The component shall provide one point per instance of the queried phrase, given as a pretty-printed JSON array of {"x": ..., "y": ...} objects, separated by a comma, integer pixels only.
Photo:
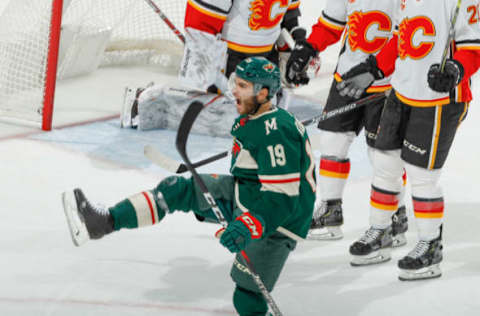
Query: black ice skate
[
  {"x": 373, "y": 247},
  {"x": 423, "y": 262},
  {"x": 84, "y": 220},
  {"x": 327, "y": 221},
  {"x": 399, "y": 227}
]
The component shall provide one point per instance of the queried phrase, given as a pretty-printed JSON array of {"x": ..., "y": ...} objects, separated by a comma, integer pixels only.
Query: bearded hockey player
[
  {"x": 268, "y": 199},
  {"x": 219, "y": 34},
  {"x": 367, "y": 26},
  {"x": 429, "y": 101}
]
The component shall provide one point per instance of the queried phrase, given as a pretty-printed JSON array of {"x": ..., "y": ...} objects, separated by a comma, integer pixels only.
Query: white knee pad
[
  {"x": 424, "y": 182},
  {"x": 387, "y": 169},
  {"x": 336, "y": 144}
]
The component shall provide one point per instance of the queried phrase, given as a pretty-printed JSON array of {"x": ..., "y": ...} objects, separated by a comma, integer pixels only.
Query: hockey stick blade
[{"x": 162, "y": 160}]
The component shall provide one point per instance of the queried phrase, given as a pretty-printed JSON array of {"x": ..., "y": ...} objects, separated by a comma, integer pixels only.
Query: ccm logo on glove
[{"x": 252, "y": 224}]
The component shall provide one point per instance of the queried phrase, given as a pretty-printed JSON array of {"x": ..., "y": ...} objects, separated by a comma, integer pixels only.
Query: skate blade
[
  {"x": 76, "y": 225},
  {"x": 126, "y": 114},
  {"x": 399, "y": 240},
  {"x": 375, "y": 257},
  {"x": 430, "y": 272},
  {"x": 326, "y": 233}
]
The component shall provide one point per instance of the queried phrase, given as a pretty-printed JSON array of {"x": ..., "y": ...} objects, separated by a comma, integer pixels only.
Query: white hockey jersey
[
  {"x": 423, "y": 28},
  {"x": 368, "y": 24},
  {"x": 249, "y": 26}
]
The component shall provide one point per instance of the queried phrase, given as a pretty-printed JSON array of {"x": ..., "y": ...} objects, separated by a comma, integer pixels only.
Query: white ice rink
[{"x": 178, "y": 268}]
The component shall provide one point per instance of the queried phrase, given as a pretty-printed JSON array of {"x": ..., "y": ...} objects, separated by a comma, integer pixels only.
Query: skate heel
[
  {"x": 429, "y": 272},
  {"x": 399, "y": 240},
  {"x": 326, "y": 233}
]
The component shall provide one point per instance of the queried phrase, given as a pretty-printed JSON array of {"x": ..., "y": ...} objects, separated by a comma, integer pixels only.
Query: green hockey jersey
[{"x": 274, "y": 171}]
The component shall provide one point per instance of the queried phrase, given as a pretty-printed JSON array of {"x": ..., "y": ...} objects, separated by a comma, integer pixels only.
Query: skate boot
[
  {"x": 84, "y": 220},
  {"x": 373, "y": 247},
  {"x": 326, "y": 222},
  {"x": 399, "y": 227},
  {"x": 423, "y": 262}
]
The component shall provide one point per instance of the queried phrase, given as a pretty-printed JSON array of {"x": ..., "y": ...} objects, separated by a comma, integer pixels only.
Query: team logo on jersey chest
[
  {"x": 235, "y": 149},
  {"x": 359, "y": 24},
  {"x": 408, "y": 30},
  {"x": 261, "y": 16}
]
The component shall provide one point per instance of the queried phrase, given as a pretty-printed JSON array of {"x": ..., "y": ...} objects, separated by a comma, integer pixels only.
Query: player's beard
[{"x": 246, "y": 105}]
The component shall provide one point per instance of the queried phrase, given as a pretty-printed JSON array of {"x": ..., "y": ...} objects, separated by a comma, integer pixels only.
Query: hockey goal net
[{"x": 82, "y": 35}]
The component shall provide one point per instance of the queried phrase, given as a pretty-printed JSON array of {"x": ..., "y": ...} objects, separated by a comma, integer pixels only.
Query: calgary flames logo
[
  {"x": 407, "y": 30},
  {"x": 262, "y": 11},
  {"x": 358, "y": 25}
]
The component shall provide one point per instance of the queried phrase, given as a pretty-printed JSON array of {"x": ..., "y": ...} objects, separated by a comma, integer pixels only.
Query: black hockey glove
[
  {"x": 297, "y": 64},
  {"x": 359, "y": 78},
  {"x": 447, "y": 80}
]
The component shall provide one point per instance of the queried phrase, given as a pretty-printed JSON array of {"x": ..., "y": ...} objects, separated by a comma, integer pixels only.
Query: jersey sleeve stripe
[
  {"x": 381, "y": 88},
  {"x": 208, "y": 9},
  {"x": 331, "y": 22},
  {"x": 294, "y": 5},
  {"x": 249, "y": 49},
  {"x": 468, "y": 47}
]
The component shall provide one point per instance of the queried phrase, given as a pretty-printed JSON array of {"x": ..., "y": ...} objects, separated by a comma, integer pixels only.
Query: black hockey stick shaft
[
  {"x": 166, "y": 20},
  {"x": 181, "y": 142},
  {"x": 451, "y": 34},
  {"x": 322, "y": 117}
]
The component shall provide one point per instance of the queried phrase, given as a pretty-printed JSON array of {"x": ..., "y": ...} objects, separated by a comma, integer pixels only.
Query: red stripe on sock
[
  {"x": 428, "y": 207},
  {"x": 150, "y": 205},
  {"x": 335, "y": 166},
  {"x": 383, "y": 198}
]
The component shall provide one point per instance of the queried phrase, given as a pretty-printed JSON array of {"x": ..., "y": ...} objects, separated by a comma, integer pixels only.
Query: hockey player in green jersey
[{"x": 267, "y": 200}]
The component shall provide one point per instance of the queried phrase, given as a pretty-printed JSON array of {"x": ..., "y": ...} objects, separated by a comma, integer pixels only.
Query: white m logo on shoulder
[{"x": 270, "y": 125}]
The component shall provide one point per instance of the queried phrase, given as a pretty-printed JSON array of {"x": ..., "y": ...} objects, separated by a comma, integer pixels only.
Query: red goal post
[{"x": 44, "y": 41}]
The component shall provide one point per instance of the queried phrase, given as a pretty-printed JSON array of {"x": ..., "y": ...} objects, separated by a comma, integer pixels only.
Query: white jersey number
[{"x": 277, "y": 155}]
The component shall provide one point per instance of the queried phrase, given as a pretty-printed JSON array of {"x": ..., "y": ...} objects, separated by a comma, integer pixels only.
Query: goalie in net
[{"x": 217, "y": 37}]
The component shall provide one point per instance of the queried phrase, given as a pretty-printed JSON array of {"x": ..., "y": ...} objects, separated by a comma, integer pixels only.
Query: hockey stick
[
  {"x": 166, "y": 20},
  {"x": 174, "y": 166},
  {"x": 182, "y": 135},
  {"x": 451, "y": 34}
]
